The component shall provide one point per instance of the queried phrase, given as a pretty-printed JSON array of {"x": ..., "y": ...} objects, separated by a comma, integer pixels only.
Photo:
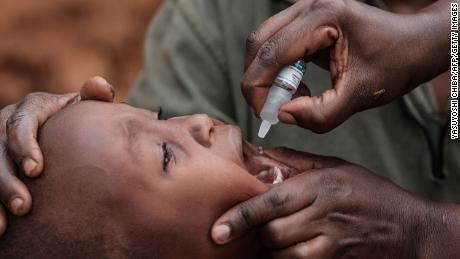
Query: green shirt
[{"x": 194, "y": 56}]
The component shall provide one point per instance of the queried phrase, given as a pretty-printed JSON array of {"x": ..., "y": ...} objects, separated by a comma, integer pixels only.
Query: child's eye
[
  {"x": 167, "y": 156},
  {"x": 160, "y": 114}
]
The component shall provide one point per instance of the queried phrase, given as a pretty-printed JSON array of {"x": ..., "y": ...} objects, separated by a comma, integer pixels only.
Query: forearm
[{"x": 430, "y": 30}]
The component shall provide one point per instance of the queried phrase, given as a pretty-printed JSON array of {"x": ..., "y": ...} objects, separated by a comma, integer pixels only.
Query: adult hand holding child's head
[
  {"x": 335, "y": 209},
  {"x": 19, "y": 124}
]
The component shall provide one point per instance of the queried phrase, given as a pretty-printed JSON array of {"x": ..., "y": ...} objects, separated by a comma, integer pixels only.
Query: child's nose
[{"x": 200, "y": 127}]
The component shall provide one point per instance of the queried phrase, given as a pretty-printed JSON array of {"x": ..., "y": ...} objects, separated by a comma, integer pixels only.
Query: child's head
[{"x": 118, "y": 182}]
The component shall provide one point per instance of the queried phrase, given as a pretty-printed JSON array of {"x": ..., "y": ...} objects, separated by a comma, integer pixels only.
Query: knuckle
[
  {"x": 252, "y": 42},
  {"x": 32, "y": 97},
  {"x": 247, "y": 219},
  {"x": 276, "y": 201},
  {"x": 5, "y": 114},
  {"x": 331, "y": 183},
  {"x": 6, "y": 111},
  {"x": 269, "y": 53},
  {"x": 14, "y": 121},
  {"x": 36, "y": 99}
]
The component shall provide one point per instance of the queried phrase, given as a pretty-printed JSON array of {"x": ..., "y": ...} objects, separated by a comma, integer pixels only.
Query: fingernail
[
  {"x": 221, "y": 234},
  {"x": 112, "y": 90},
  {"x": 29, "y": 166},
  {"x": 100, "y": 79},
  {"x": 16, "y": 204},
  {"x": 286, "y": 118}
]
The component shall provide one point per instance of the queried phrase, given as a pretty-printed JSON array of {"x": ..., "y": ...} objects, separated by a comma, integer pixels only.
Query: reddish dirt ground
[{"x": 53, "y": 45}]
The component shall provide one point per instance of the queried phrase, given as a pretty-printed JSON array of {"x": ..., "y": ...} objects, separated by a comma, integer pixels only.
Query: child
[{"x": 120, "y": 183}]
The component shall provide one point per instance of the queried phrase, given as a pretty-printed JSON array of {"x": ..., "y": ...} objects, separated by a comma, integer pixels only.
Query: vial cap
[{"x": 300, "y": 66}]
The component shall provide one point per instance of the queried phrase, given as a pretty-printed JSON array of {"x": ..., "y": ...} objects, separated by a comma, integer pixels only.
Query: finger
[
  {"x": 97, "y": 88},
  {"x": 295, "y": 228},
  {"x": 322, "y": 58},
  {"x": 290, "y": 44},
  {"x": 279, "y": 201},
  {"x": 23, "y": 124},
  {"x": 303, "y": 37},
  {"x": 285, "y": 117},
  {"x": 5, "y": 113},
  {"x": 302, "y": 90},
  {"x": 319, "y": 114},
  {"x": 302, "y": 161},
  {"x": 3, "y": 220},
  {"x": 13, "y": 193},
  {"x": 318, "y": 248},
  {"x": 255, "y": 97},
  {"x": 266, "y": 30}
]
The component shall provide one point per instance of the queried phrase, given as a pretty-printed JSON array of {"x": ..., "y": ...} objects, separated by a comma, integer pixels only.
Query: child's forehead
[
  {"x": 88, "y": 115},
  {"x": 83, "y": 129},
  {"x": 78, "y": 138}
]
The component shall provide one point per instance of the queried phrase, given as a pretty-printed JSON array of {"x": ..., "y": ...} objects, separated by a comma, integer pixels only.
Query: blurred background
[{"x": 55, "y": 45}]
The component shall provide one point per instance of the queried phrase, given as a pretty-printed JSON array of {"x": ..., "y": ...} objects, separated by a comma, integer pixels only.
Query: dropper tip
[{"x": 264, "y": 127}]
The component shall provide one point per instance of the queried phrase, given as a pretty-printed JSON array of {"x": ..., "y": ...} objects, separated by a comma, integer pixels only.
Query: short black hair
[{"x": 40, "y": 235}]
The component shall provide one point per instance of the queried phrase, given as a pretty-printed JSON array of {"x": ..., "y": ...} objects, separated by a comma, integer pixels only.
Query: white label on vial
[{"x": 290, "y": 76}]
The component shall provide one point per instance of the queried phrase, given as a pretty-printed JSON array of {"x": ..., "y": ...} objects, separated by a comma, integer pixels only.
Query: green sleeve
[{"x": 184, "y": 66}]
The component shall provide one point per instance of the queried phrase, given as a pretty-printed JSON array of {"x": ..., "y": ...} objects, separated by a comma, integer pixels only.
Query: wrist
[
  {"x": 428, "y": 42},
  {"x": 438, "y": 231}
]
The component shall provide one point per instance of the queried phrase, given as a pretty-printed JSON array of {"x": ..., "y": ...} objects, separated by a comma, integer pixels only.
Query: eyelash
[
  {"x": 167, "y": 156},
  {"x": 160, "y": 114}
]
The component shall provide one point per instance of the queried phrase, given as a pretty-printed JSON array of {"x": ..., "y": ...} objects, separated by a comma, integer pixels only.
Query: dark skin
[
  {"x": 324, "y": 212},
  {"x": 440, "y": 84},
  {"x": 336, "y": 209},
  {"x": 343, "y": 47},
  {"x": 328, "y": 214},
  {"x": 369, "y": 52},
  {"x": 136, "y": 186},
  {"x": 19, "y": 124}
]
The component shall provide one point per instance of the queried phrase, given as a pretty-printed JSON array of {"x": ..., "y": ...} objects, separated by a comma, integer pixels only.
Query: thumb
[
  {"x": 302, "y": 90},
  {"x": 279, "y": 201},
  {"x": 301, "y": 161},
  {"x": 318, "y": 113},
  {"x": 97, "y": 88}
]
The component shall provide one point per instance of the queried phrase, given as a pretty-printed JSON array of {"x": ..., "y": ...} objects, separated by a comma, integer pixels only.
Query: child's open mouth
[
  {"x": 253, "y": 159},
  {"x": 264, "y": 168}
]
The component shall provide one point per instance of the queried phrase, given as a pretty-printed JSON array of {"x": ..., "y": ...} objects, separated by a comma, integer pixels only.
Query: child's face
[{"x": 168, "y": 179}]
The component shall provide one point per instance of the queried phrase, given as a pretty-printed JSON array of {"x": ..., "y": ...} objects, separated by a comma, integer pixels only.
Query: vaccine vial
[{"x": 284, "y": 86}]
